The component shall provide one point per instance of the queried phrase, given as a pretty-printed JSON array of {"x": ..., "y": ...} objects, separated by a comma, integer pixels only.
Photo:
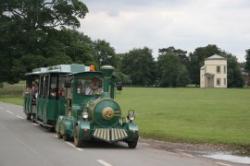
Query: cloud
[{"x": 185, "y": 24}]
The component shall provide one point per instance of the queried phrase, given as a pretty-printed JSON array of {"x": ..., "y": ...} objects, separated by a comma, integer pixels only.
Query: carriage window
[
  {"x": 32, "y": 85},
  {"x": 53, "y": 86},
  {"x": 29, "y": 83},
  {"x": 89, "y": 86},
  {"x": 61, "y": 86},
  {"x": 46, "y": 86},
  {"x": 41, "y": 86}
]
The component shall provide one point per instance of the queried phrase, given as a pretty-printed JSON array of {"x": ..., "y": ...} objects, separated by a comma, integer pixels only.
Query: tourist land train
[{"x": 78, "y": 102}]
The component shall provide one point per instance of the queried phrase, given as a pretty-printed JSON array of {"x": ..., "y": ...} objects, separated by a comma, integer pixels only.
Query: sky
[{"x": 184, "y": 24}]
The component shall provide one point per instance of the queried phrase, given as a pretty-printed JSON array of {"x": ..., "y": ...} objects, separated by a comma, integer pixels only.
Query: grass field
[{"x": 217, "y": 116}]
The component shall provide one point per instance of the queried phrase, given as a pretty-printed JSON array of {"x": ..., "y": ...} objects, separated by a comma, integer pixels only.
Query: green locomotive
[{"x": 79, "y": 103}]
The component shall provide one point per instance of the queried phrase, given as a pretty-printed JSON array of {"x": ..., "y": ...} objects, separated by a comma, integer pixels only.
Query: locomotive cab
[{"x": 92, "y": 112}]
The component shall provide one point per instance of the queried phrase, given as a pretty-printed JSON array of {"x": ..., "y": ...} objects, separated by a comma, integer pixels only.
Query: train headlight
[
  {"x": 131, "y": 118},
  {"x": 85, "y": 115},
  {"x": 131, "y": 115}
]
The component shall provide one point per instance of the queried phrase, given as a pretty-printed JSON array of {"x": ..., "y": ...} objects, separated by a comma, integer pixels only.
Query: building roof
[{"x": 215, "y": 57}]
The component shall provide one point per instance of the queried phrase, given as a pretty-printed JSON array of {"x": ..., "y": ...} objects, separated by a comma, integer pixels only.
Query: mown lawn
[
  {"x": 191, "y": 115},
  {"x": 217, "y": 116}
]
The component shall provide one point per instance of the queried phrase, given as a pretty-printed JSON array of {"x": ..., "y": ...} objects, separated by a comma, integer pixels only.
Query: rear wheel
[
  {"x": 33, "y": 118},
  {"x": 59, "y": 135},
  {"x": 65, "y": 137},
  {"x": 52, "y": 129},
  {"x": 28, "y": 116}
]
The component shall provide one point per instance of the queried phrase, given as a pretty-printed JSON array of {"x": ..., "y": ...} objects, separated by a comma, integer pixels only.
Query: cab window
[{"x": 89, "y": 86}]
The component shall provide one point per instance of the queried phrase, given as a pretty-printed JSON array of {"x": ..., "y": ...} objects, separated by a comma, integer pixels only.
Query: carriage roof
[{"x": 63, "y": 68}]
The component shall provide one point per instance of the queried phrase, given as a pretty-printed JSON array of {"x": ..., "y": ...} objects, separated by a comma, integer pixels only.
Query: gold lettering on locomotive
[{"x": 108, "y": 113}]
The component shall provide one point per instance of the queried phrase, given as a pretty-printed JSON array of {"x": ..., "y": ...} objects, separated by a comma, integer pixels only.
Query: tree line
[
  {"x": 176, "y": 68},
  {"x": 37, "y": 33}
]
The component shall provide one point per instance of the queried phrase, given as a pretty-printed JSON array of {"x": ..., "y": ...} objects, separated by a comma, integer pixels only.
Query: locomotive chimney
[{"x": 107, "y": 70}]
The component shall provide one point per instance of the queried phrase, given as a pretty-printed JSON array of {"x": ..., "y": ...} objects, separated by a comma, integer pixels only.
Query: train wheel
[
  {"x": 65, "y": 137},
  {"x": 59, "y": 135},
  {"x": 132, "y": 145},
  {"x": 28, "y": 116},
  {"x": 33, "y": 118},
  {"x": 52, "y": 129}
]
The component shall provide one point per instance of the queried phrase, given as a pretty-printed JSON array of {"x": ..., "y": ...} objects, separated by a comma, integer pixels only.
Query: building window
[
  {"x": 218, "y": 69},
  {"x": 225, "y": 81},
  {"x": 225, "y": 69},
  {"x": 218, "y": 81}
]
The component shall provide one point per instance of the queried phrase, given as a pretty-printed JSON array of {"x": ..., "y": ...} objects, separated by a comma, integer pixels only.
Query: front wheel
[{"x": 132, "y": 144}]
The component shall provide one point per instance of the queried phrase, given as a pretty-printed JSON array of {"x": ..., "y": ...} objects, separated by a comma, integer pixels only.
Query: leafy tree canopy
[
  {"x": 247, "y": 65},
  {"x": 172, "y": 67},
  {"x": 139, "y": 65},
  {"x": 104, "y": 53},
  {"x": 31, "y": 34}
]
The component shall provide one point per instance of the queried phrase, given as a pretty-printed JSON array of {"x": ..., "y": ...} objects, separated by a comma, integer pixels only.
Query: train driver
[{"x": 94, "y": 87}]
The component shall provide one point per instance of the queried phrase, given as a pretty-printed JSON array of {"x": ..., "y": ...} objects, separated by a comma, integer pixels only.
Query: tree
[
  {"x": 104, "y": 53},
  {"x": 139, "y": 65},
  {"x": 30, "y": 28},
  {"x": 172, "y": 68},
  {"x": 235, "y": 78},
  {"x": 77, "y": 46},
  {"x": 177, "y": 52},
  {"x": 247, "y": 65}
]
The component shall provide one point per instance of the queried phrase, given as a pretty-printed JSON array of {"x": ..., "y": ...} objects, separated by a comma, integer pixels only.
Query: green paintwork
[
  {"x": 95, "y": 108},
  {"x": 95, "y": 105},
  {"x": 65, "y": 113},
  {"x": 84, "y": 130},
  {"x": 132, "y": 131}
]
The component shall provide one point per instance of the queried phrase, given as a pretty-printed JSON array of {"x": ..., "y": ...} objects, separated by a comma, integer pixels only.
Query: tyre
[
  {"x": 65, "y": 137},
  {"x": 52, "y": 129},
  {"x": 132, "y": 144},
  {"x": 33, "y": 118},
  {"x": 59, "y": 135},
  {"x": 28, "y": 116}
]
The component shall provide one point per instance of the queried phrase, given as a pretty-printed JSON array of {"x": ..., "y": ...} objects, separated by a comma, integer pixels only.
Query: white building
[{"x": 214, "y": 72}]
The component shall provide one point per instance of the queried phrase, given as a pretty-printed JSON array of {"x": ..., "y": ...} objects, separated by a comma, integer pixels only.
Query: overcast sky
[{"x": 184, "y": 24}]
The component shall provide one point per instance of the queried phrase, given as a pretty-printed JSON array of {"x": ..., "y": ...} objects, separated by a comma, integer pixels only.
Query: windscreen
[{"x": 89, "y": 86}]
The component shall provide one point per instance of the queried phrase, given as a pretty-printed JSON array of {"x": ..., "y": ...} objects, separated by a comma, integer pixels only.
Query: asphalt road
[{"x": 23, "y": 143}]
